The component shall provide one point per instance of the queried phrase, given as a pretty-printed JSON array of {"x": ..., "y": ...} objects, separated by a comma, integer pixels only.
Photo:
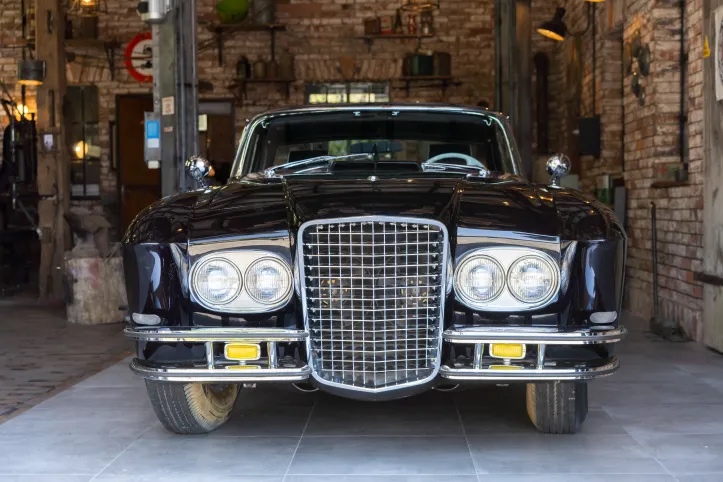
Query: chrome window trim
[
  {"x": 300, "y": 262},
  {"x": 242, "y": 259},
  {"x": 506, "y": 301}
]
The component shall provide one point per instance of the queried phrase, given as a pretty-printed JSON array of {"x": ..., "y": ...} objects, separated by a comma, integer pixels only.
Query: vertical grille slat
[{"x": 374, "y": 292}]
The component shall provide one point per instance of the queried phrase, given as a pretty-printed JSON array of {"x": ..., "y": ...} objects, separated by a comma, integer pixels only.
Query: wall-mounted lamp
[
  {"x": 31, "y": 72},
  {"x": 88, "y": 8},
  {"x": 556, "y": 29},
  {"x": 419, "y": 5}
]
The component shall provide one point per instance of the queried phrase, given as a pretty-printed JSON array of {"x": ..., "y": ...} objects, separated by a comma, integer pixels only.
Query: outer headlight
[
  {"x": 268, "y": 281},
  {"x": 217, "y": 281},
  {"x": 532, "y": 279},
  {"x": 479, "y": 279}
]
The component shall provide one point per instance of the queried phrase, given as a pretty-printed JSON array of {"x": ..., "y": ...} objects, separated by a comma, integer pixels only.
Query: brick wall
[{"x": 651, "y": 134}]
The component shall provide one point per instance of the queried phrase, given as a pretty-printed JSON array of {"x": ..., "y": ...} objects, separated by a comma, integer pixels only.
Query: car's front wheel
[
  {"x": 557, "y": 407},
  {"x": 191, "y": 408}
]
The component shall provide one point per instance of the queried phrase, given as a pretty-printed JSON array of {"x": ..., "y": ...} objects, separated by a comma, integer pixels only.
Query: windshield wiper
[
  {"x": 471, "y": 170},
  {"x": 272, "y": 171}
]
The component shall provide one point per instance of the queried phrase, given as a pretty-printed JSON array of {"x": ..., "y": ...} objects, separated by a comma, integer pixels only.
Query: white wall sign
[{"x": 718, "y": 19}]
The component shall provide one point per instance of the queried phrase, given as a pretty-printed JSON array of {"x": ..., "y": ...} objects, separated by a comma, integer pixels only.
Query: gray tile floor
[{"x": 659, "y": 419}]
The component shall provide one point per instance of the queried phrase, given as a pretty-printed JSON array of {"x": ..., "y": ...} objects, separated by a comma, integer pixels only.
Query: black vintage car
[{"x": 375, "y": 252}]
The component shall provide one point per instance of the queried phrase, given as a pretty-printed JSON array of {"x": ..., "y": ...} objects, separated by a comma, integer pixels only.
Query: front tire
[
  {"x": 191, "y": 408},
  {"x": 557, "y": 407}
]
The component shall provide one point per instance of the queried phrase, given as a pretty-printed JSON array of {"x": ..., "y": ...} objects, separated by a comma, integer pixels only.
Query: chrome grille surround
[{"x": 391, "y": 339}]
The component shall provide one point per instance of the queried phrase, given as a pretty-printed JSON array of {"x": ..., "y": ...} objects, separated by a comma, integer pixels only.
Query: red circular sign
[{"x": 139, "y": 57}]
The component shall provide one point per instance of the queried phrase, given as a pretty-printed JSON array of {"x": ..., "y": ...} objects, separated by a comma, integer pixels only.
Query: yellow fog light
[
  {"x": 504, "y": 367},
  {"x": 242, "y": 352},
  {"x": 243, "y": 367},
  {"x": 512, "y": 351}
]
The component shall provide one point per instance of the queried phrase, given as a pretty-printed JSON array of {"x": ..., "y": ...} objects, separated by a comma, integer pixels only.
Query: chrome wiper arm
[
  {"x": 440, "y": 166},
  {"x": 271, "y": 172}
]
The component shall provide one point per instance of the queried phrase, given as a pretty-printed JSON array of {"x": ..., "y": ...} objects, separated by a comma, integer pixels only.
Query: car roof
[{"x": 409, "y": 107}]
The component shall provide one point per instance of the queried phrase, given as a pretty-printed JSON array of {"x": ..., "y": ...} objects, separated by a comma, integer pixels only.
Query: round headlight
[
  {"x": 217, "y": 281},
  {"x": 479, "y": 279},
  {"x": 532, "y": 279},
  {"x": 268, "y": 281}
]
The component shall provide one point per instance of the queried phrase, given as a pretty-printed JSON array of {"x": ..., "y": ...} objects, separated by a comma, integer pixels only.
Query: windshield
[{"x": 386, "y": 136}]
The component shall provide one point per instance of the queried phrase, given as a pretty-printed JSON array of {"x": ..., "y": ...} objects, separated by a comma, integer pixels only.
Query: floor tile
[
  {"x": 561, "y": 454},
  {"x": 196, "y": 477},
  {"x": 686, "y": 454},
  {"x": 610, "y": 392},
  {"x": 45, "y": 478},
  {"x": 681, "y": 419},
  {"x": 280, "y": 421},
  {"x": 380, "y": 478},
  {"x": 576, "y": 478},
  {"x": 219, "y": 457},
  {"x": 58, "y": 454},
  {"x": 382, "y": 456},
  {"x": 428, "y": 414}
]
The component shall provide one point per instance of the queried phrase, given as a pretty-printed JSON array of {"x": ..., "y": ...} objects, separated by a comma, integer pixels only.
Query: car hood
[{"x": 265, "y": 206}]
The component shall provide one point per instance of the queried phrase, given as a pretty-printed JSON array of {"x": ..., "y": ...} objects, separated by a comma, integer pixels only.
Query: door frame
[{"x": 118, "y": 160}]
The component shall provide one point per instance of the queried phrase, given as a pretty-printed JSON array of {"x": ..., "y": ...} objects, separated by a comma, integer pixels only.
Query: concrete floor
[
  {"x": 40, "y": 352},
  {"x": 659, "y": 419}
]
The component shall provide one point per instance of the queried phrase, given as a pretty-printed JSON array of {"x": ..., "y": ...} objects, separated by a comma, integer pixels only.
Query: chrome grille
[{"x": 374, "y": 291}]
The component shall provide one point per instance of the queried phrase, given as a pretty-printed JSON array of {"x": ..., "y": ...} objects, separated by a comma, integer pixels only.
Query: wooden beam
[
  {"x": 53, "y": 165},
  {"x": 712, "y": 198}
]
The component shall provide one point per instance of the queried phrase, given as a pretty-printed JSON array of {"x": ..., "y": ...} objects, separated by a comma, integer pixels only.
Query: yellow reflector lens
[
  {"x": 242, "y": 352},
  {"x": 507, "y": 350},
  {"x": 243, "y": 367},
  {"x": 504, "y": 367}
]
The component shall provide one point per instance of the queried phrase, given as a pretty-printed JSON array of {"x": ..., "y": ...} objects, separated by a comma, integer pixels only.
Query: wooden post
[
  {"x": 713, "y": 198},
  {"x": 53, "y": 166}
]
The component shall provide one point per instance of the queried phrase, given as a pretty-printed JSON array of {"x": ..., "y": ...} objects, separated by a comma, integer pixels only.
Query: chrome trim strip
[
  {"x": 527, "y": 335},
  {"x": 391, "y": 219},
  {"x": 202, "y": 335},
  {"x": 205, "y": 375},
  {"x": 531, "y": 374}
]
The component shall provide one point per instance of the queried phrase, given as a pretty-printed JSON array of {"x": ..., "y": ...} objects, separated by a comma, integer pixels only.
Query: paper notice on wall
[{"x": 718, "y": 59}]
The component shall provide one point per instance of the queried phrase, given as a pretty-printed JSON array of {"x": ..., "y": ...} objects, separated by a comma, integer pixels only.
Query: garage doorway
[{"x": 139, "y": 186}]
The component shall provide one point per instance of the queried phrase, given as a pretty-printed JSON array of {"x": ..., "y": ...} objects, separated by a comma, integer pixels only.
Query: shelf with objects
[
  {"x": 261, "y": 72},
  {"x": 419, "y": 25}
]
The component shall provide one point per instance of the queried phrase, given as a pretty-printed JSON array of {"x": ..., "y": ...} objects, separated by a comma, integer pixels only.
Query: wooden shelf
[
  {"x": 369, "y": 39},
  {"x": 441, "y": 81},
  {"x": 664, "y": 184},
  {"x": 239, "y": 87},
  {"x": 109, "y": 46},
  {"x": 219, "y": 30}
]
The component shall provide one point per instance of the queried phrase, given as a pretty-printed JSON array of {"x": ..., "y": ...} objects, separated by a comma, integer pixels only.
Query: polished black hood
[{"x": 274, "y": 205}]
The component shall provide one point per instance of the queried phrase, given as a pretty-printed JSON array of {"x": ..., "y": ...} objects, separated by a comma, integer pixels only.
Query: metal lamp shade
[
  {"x": 554, "y": 29},
  {"x": 419, "y": 5},
  {"x": 31, "y": 72}
]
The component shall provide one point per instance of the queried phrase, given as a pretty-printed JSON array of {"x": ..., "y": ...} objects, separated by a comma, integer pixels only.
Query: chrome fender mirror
[
  {"x": 199, "y": 168},
  {"x": 558, "y": 166}
]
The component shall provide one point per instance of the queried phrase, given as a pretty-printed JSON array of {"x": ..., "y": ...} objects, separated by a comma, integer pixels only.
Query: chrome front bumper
[
  {"x": 270, "y": 369},
  {"x": 541, "y": 338},
  {"x": 218, "y": 369}
]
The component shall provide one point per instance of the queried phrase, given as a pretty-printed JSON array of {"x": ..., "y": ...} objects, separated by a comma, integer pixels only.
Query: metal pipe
[
  {"x": 541, "y": 356},
  {"x": 209, "y": 355},
  {"x": 683, "y": 80},
  {"x": 478, "y": 349},
  {"x": 273, "y": 356},
  {"x": 654, "y": 223},
  {"x": 594, "y": 58}
]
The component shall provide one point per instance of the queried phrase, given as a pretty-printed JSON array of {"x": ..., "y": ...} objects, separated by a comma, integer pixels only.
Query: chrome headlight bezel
[
  {"x": 554, "y": 278},
  {"x": 505, "y": 301},
  {"x": 199, "y": 269},
  {"x": 285, "y": 271},
  {"x": 243, "y": 303},
  {"x": 460, "y": 283}
]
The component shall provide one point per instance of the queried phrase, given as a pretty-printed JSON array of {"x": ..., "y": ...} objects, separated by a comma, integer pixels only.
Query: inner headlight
[
  {"x": 217, "y": 281},
  {"x": 479, "y": 279},
  {"x": 268, "y": 281},
  {"x": 532, "y": 279}
]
